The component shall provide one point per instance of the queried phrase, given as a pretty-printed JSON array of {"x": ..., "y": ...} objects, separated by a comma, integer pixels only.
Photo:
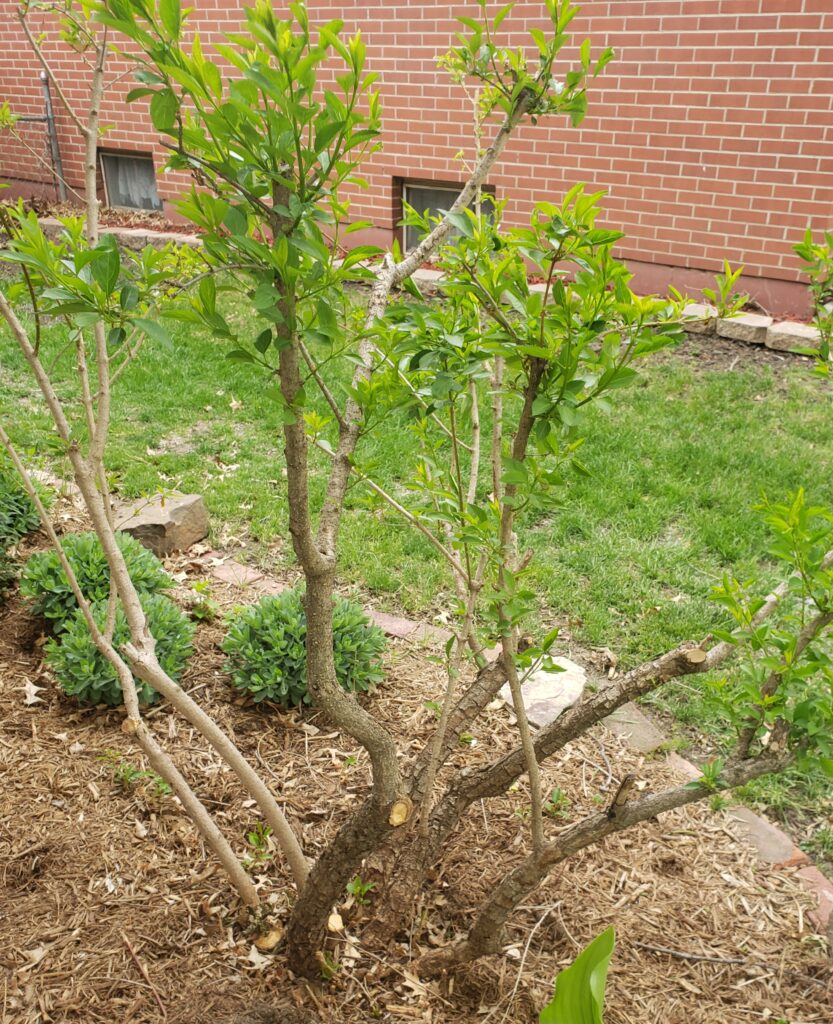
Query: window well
[
  {"x": 434, "y": 198},
  {"x": 130, "y": 181}
]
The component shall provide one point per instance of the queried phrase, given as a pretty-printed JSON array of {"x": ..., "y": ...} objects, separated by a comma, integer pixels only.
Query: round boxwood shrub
[
  {"x": 84, "y": 672},
  {"x": 18, "y": 515},
  {"x": 267, "y": 656},
  {"x": 45, "y": 585}
]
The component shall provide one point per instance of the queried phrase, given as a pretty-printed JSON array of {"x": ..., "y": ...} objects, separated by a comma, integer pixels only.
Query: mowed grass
[{"x": 624, "y": 558}]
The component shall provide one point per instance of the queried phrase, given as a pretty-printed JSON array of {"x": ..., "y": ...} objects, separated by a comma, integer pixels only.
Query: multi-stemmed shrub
[
  {"x": 499, "y": 377},
  {"x": 267, "y": 656},
  {"x": 45, "y": 585},
  {"x": 84, "y": 672}
]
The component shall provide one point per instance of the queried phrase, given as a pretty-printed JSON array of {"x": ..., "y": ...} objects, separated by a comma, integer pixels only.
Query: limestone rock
[
  {"x": 547, "y": 694},
  {"x": 165, "y": 524},
  {"x": 698, "y": 318},
  {"x": 746, "y": 327},
  {"x": 791, "y": 337}
]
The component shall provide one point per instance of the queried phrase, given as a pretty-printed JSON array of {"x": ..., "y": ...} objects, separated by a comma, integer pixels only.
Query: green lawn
[
  {"x": 628, "y": 554},
  {"x": 627, "y": 557}
]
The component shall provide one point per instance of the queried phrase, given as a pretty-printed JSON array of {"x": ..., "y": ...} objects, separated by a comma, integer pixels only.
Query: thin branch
[
  {"x": 44, "y": 163},
  {"x": 730, "y": 960},
  {"x": 389, "y": 276},
  {"x": 773, "y": 681},
  {"x": 322, "y": 387},
  {"x": 206, "y": 165},
  {"x": 159, "y": 760},
  {"x": 409, "y": 517},
  {"x": 143, "y": 971},
  {"x": 452, "y": 677},
  {"x": 474, "y": 468},
  {"x": 59, "y": 92}
]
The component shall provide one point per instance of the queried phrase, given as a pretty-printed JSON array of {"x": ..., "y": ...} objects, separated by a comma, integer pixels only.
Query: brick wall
[{"x": 712, "y": 131}]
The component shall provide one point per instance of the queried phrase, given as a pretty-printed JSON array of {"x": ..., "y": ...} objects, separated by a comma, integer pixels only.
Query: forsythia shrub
[
  {"x": 84, "y": 672},
  {"x": 46, "y": 586},
  {"x": 266, "y": 648}
]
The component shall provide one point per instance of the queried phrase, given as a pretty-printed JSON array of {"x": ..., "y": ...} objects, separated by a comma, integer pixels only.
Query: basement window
[
  {"x": 130, "y": 181},
  {"x": 436, "y": 199}
]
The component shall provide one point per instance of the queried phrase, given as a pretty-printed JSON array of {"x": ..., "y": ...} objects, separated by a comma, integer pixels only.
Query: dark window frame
[{"x": 450, "y": 186}]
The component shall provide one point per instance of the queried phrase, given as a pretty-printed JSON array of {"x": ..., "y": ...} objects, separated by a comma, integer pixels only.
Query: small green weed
[
  {"x": 202, "y": 605},
  {"x": 261, "y": 849},
  {"x": 127, "y": 775},
  {"x": 558, "y": 804},
  {"x": 360, "y": 890}
]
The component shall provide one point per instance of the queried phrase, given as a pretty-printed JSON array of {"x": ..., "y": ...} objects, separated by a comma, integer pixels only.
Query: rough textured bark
[{"x": 362, "y": 833}]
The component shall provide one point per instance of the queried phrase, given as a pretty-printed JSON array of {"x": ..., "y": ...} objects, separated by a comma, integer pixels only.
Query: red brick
[{"x": 713, "y": 109}]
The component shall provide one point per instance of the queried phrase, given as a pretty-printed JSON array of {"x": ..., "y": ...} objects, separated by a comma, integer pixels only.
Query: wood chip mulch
[{"x": 111, "y": 911}]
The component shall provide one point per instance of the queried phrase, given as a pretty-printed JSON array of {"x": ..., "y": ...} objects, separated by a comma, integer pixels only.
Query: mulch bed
[{"x": 111, "y": 911}]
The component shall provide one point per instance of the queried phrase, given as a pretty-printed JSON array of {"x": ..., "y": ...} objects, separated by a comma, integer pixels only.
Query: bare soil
[
  {"x": 112, "y": 911},
  {"x": 710, "y": 352}
]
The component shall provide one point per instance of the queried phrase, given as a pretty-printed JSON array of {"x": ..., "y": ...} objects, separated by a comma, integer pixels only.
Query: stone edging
[
  {"x": 773, "y": 846},
  {"x": 782, "y": 336}
]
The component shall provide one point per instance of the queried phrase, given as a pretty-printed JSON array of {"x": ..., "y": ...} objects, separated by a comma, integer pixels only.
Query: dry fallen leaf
[
  {"x": 31, "y": 692},
  {"x": 34, "y": 956},
  {"x": 335, "y": 923},
  {"x": 267, "y": 942},
  {"x": 257, "y": 959}
]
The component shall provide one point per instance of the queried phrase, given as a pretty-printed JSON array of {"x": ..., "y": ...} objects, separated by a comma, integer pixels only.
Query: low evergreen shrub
[
  {"x": 46, "y": 586},
  {"x": 18, "y": 515},
  {"x": 84, "y": 672},
  {"x": 266, "y": 649}
]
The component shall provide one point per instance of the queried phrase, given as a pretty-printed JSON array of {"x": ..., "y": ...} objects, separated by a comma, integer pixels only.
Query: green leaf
[
  {"x": 264, "y": 340},
  {"x": 171, "y": 15},
  {"x": 106, "y": 264},
  {"x": 155, "y": 331},
  {"x": 580, "y": 988},
  {"x": 139, "y": 93},
  {"x": 129, "y": 297},
  {"x": 236, "y": 220},
  {"x": 163, "y": 110},
  {"x": 240, "y": 355}
]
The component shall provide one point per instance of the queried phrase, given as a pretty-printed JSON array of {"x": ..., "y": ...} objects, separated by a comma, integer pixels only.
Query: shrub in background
[
  {"x": 18, "y": 515},
  {"x": 8, "y": 573},
  {"x": 267, "y": 656},
  {"x": 46, "y": 586},
  {"x": 84, "y": 672}
]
